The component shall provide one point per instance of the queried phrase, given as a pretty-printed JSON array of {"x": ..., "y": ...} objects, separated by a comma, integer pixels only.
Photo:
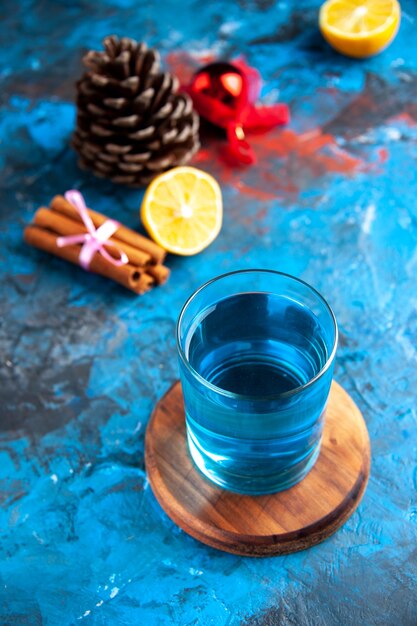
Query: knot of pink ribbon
[{"x": 93, "y": 241}]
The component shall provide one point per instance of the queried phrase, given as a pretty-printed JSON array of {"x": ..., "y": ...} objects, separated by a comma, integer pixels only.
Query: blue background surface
[{"x": 82, "y": 362}]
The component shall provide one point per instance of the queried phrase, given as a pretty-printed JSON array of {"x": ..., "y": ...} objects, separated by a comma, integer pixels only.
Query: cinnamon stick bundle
[
  {"x": 144, "y": 268},
  {"x": 124, "y": 234},
  {"x": 57, "y": 223}
]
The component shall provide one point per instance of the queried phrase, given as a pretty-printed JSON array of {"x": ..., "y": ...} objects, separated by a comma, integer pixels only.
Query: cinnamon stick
[
  {"x": 159, "y": 272},
  {"x": 145, "y": 283},
  {"x": 62, "y": 225},
  {"x": 123, "y": 233},
  {"x": 127, "y": 275}
]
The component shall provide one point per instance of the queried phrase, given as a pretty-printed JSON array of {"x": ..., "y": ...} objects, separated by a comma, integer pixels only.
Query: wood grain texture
[{"x": 280, "y": 523}]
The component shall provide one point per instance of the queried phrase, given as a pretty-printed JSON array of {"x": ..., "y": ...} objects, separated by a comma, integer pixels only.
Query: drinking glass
[{"x": 256, "y": 354}]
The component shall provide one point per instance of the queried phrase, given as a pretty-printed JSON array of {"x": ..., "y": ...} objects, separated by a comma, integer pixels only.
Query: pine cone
[{"x": 131, "y": 123}]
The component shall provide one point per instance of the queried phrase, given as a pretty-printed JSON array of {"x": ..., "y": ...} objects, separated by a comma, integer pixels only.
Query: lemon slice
[
  {"x": 182, "y": 210},
  {"x": 359, "y": 28}
]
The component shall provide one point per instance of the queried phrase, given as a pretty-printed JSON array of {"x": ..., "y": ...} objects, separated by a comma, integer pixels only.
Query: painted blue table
[{"x": 332, "y": 200}]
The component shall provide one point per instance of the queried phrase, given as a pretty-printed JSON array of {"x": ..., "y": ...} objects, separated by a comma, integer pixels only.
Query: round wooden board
[{"x": 280, "y": 523}]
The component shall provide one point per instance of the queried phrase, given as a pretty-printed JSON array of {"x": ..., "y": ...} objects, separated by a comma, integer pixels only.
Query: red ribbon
[{"x": 226, "y": 95}]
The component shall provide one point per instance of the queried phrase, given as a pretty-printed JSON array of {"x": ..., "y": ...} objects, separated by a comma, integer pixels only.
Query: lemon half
[
  {"x": 182, "y": 210},
  {"x": 359, "y": 28}
]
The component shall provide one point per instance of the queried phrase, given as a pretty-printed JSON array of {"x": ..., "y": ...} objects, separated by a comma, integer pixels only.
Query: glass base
[{"x": 249, "y": 485}]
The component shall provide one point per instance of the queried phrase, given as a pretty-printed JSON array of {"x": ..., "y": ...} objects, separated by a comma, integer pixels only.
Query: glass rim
[{"x": 232, "y": 394}]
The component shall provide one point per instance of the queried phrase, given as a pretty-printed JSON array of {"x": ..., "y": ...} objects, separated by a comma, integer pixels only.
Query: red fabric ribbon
[{"x": 225, "y": 94}]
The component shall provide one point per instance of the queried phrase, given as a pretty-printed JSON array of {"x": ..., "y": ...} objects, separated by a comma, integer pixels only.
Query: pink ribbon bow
[{"x": 93, "y": 241}]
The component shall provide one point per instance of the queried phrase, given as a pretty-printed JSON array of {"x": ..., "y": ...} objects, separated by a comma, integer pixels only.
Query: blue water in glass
[{"x": 258, "y": 435}]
